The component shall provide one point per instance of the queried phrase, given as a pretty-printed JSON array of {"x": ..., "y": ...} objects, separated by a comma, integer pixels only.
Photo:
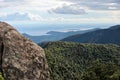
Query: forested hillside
[
  {"x": 56, "y": 35},
  {"x": 103, "y": 36},
  {"x": 75, "y": 61}
]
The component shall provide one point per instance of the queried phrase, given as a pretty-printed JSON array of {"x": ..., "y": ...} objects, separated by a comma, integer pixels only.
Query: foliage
[
  {"x": 1, "y": 77},
  {"x": 69, "y": 60},
  {"x": 102, "y": 71}
]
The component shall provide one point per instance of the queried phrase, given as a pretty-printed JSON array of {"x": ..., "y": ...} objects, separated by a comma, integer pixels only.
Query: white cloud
[
  {"x": 68, "y": 9},
  {"x": 97, "y": 4},
  {"x": 31, "y": 4},
  {"x": 9, "y": 3},
  {"x": 48, "y": 4},
  {"x": 34, "y": 9},
  {"x": 20, "y": 17},
  {"x": 93, "y": 20},
  {"x": 82, "y": 6},
  {"x": 3, "y": 14},
  {"x": 34, "y": 17}
]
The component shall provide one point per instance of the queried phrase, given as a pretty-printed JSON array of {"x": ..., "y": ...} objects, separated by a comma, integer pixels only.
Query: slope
[
  {"x": 55, "y": 35},
  {"x": 69, "y": 60},
  {"x": 110, "y": 35}
]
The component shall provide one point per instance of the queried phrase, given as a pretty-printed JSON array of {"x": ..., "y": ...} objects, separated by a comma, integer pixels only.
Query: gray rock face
[{"x": 20, "y": 58}]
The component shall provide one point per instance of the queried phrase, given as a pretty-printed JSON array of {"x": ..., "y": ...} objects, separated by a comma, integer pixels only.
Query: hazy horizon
[{"x": 37, "y": 29}]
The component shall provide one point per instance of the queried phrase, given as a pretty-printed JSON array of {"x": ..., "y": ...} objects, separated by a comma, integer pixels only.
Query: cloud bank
[
  {"x": 65, "y": 9},
  {"x": 98, "y": 4},
  {"x": 81, "y": 6},
  {"x": 60, "y": 10},
  {"x": 20, "y": 17}
]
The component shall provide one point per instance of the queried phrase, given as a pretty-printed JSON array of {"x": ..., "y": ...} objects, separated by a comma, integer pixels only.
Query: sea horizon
[{"x": 37, "y": 29}]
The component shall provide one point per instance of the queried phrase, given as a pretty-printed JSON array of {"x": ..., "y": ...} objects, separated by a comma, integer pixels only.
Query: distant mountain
[
  {"x": 115, "y": 27},
  {"x": 110, "y": 35},
  {"x": 70, "y": 60},
  {"x": 55, "y": 35}
]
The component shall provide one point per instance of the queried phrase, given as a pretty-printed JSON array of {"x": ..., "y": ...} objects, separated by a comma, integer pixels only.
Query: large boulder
[{"x": 20, "y": 58}]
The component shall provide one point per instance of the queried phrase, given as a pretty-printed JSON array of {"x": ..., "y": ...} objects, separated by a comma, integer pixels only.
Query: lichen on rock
[{"x": 20, "y": 58}]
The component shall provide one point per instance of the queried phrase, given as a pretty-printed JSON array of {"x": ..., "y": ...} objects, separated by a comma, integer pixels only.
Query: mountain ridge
[
  {"x": 103, "y": 36},
  {"x": 55, "y": 35}
]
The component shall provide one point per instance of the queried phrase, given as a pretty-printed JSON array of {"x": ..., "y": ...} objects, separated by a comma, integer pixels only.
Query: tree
[{"x": 102, "y": 71}]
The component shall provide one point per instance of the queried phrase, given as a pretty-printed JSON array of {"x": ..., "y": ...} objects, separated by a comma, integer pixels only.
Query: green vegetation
[
  {"x": 1, "y": 77},
  {"x": 75, "y": 61},
  {"x": 102, "y": 71}
]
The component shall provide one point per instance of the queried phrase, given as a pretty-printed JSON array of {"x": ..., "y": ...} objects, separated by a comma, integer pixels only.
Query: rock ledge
[{"x": 20, "y": 58}]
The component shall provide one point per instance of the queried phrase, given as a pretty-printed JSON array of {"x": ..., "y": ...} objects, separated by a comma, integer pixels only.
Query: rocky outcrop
[{"x": 20, "y": 58}]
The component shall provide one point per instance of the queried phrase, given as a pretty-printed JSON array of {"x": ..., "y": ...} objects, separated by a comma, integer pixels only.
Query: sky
[{"x": 43, "y": 12}]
